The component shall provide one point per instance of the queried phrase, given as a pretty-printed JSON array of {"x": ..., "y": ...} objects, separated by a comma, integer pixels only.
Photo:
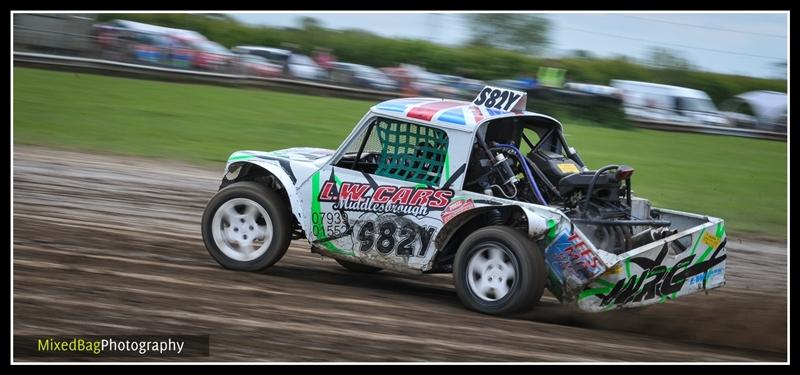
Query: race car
[{"x": 485, "y": 190}]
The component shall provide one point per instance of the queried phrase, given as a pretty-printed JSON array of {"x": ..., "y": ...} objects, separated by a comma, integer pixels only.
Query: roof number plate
[{"x": 499, "y": 98}]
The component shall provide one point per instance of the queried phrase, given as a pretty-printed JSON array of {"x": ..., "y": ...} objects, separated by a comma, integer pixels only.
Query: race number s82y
[{"x": 499, "y": 98}]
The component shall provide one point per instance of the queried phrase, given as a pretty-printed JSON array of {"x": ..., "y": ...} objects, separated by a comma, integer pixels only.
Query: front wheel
[
  {"x": 499, "y": 271},
  {"x": 246, "y": 227}
]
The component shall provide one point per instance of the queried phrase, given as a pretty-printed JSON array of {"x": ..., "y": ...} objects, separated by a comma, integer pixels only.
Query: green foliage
[
  {"x": 666, "y": 58},
  {"x": 521, "y": 32},
  {"x": 473, "y": 61}
]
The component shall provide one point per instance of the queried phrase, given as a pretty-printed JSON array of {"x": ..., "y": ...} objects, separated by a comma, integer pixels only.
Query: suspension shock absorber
[{"x": 495, "y": 217}]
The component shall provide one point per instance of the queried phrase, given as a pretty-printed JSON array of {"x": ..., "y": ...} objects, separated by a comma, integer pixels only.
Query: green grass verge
[{"x": 740, "y": 180}]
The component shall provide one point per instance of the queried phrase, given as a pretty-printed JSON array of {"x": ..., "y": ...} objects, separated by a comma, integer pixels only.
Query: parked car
[
  {"x": 152, "y": 44},
  {"x": 669, "y": 104},
  {"x": 418, "y": 81},
  {"x": 210, "y": 55},
  {"x": 362, "y": 76},
  {"x": 149, "y": 48},
  {"x": 762, "y": 109},
  {"x": 425, "y": 185},
  {"x": 601, "y": 90},
  {"x": 294, "y": 65},
  {"x": 276, "y": 56},
  {"x": 303, "y": 67},
  {"x": 516, "y": 84},
  {"x": 257, "y": 66},
  {"x": 462, "y": 88}
]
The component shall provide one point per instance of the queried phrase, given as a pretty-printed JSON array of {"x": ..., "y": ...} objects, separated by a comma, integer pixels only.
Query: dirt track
[{"x": 111, "y": 245}]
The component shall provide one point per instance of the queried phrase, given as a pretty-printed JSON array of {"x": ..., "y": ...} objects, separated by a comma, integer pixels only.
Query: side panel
[{"x": 374, "y": 220}]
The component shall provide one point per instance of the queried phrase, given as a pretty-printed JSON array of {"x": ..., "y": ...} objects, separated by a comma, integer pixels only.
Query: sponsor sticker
[
  {"x": 571, "y": 260},
  {"x": 711, "y": 240},
  {"x": 400, "y": 200},
  {"x": 456, "y": 208}
]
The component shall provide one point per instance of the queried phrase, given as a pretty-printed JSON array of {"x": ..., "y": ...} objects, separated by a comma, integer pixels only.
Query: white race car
[{"x": 484, "y": 190}]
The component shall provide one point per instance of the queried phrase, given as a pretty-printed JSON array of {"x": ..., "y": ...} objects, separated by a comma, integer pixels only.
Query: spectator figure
[{"x": 324, "y": 58}]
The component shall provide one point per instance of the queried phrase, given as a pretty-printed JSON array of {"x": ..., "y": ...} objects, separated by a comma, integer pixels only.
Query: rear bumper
[{"x": 692, "y": 260}]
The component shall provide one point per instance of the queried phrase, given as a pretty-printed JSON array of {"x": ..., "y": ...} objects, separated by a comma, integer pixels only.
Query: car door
[{"x": 379, "y": 199}]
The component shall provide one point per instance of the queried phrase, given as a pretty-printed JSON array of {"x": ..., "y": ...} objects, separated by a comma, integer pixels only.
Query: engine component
[
  {"x": 554, "y": 165},
  {"x": 526, "y": 169},
  {"x": 650, "y": 235}
]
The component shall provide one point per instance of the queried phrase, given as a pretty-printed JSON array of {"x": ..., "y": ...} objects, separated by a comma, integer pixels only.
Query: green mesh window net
[{"x": 411, "y": 152}]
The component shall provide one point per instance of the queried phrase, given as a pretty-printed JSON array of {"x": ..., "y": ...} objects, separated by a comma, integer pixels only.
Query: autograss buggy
[{"x": 484, "y": 190}]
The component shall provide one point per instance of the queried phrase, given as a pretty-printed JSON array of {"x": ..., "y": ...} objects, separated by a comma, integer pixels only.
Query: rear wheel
[
  {"x": 246, "y": 227},
  {"x": 499, "y": 271},
  {"x": 358, "y": 267}
]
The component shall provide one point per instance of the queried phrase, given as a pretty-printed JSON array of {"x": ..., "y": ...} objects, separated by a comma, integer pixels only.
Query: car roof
[
  {"x": 268, "y": 49},
  {"x": 659, "y": 88},
  {"x": 453, "y": 114},
  {"x": 155, "y": 29}
]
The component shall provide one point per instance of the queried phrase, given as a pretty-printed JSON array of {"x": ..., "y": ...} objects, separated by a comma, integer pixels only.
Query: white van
[{"x": 670, "y": 104}]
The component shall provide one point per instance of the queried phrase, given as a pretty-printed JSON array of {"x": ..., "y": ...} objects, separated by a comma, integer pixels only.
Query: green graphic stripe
[
  {"x": 698, "y": 241},
  {"x": 607, "y": 286},
  {"x": 720, "y": 231},
  {"x": 315, "y": 209},
  {"x": 593, "y": 292},
  {"x": 240, "y": 157},
  {"x": 694, "y": 248},
  {"x": 551, "y": 230},
  {"x": 628, "y": 268},
  {"x": 447, "y": 166}
]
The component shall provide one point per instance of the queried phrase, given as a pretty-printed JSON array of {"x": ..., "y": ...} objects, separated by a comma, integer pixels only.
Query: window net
[{"x": 410, "y": 152}]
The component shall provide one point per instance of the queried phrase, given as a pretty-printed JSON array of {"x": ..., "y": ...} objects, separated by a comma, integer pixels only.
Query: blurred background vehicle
[
  {"x": 293, "y": 65},
  {"x": 515, "y": 84},
  {"x": 210, "y": 55},
  {"x": 276, "y": 56},
  {"x": 453, "y": 87},
  {"x": 362, "y": 76},
  {"x": 657, "y": 102},
  {"x": 303, "y": 67},
  {"x": 258, "y": 66},
  {"x": 156, "y": 45},
  {"x": 424, "y": 83},
  {"x": 469, "y": 88},
  {"x": 593, "y": 89},
  {"x": 757, "y": 109}
]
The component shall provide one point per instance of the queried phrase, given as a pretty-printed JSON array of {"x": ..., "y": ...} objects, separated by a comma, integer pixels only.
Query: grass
[{"x": 740, "y": 180}]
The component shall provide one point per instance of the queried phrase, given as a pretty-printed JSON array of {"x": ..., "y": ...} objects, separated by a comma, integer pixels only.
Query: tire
[
  {"x": 226, "y": 246},
  {"x": 478, "y": 267},
  {"x": 358, "y": 267}
]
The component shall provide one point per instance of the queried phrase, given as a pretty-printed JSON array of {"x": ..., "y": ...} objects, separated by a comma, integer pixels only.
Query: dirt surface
[{"x": 111, "y": 245}]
